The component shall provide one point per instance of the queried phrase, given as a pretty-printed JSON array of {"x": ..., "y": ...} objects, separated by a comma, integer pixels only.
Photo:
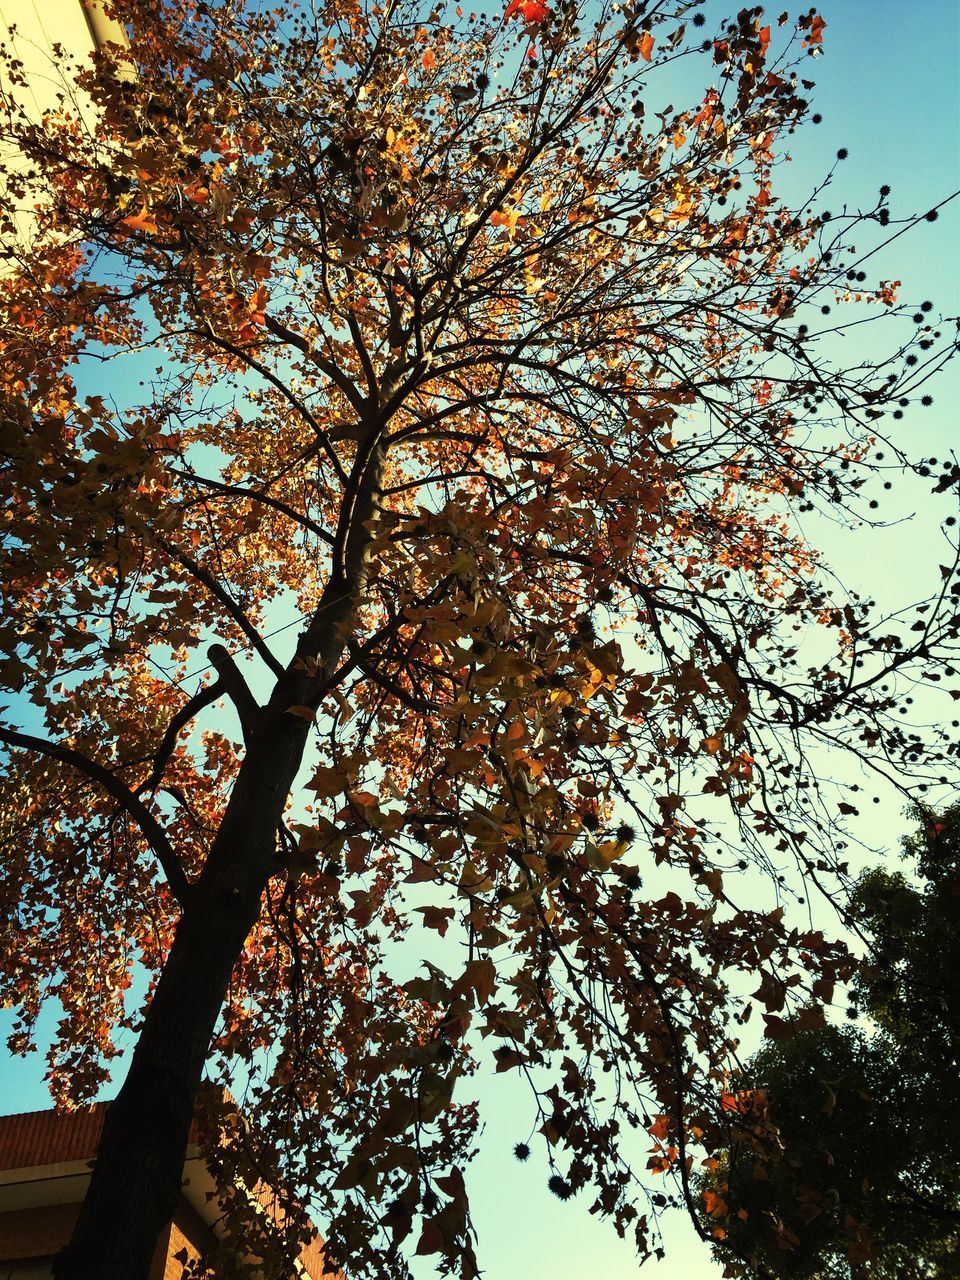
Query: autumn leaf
[
  {"x": 433, "y": 546},
  {"x": 532, "y": 11},
  {"x": 437, "y": 918},
  {"x": 660, "y": 1128},
  {"x": 714, "y": 1205},
  {"x": 144, "y": 221},
  {"x": 473, "y": 880},
  {"x": 507, "y": 1059},
  {"x": 602, "y": 857},
  {"x": 304, "y": 713},
  {"x": 479, "y": 976},
  {"x": 432, "y": 1240},
  {"x": 505, "y": 218}
]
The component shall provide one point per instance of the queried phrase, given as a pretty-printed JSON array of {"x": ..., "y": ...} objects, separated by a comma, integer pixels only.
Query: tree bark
[{"x": 136, "y": 1180}]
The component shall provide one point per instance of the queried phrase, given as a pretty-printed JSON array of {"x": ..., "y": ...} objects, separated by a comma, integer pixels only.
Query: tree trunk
[{"x": 136, "y": 1181}]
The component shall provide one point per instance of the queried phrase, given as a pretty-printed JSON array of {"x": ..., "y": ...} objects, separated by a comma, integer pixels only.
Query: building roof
[
  {"x": 35, "y": 1138},
  {"x": 46, "y": 1157}
]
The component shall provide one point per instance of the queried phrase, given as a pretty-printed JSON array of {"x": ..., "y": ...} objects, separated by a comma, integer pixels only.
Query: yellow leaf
[
  {"x": 505, "y": 218},
  {"x": 305, "y": 713},
  {"x": 602, "y": 857},
  {"x": 596, "y": 679},
  {"x": 464, "y": 565},
  {"x": 520, "y": 899}
]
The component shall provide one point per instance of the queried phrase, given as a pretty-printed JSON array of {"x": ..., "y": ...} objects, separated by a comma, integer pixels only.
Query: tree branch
[
  {"x": 237, "y": 689},
  {"x": 151, "y": 829},
  {"x": 179, "y": 721},
  {"x": 217, "y": 590},
  {"x": 219, "y": 487}
]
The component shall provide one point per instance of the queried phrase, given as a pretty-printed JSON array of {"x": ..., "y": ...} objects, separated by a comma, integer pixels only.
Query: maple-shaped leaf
[
  {"x": 142, "y": 221},
  {"x": 479, "y": 976},
  {"x": 659, "y": 1128},
  {"x": 531, "y": 11}
]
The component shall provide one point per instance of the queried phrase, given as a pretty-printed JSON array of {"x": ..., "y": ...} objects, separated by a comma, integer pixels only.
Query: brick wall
[
  {"x": 35, "y": 1233},
  {"x": 42, "y": 1231},
  {"x": 187, "y": 1232}
]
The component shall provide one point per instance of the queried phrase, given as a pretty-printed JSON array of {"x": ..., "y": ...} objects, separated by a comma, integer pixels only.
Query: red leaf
[{"x": 531, "y": 11}]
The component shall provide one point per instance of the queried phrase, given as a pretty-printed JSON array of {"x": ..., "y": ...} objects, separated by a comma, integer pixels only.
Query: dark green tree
[{"x": 843, "y": 1160}]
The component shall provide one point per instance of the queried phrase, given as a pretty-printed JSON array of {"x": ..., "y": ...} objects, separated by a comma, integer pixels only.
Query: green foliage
[{"x": 843, "y": 1154}]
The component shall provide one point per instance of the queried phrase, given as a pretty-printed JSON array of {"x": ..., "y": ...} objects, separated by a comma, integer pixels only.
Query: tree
[
  {"x": 441, "y": 578},
  {"x": 859, "y": 1175}
]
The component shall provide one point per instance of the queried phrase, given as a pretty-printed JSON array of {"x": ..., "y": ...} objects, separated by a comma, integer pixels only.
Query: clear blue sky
[{"x": 887, "y": 87}]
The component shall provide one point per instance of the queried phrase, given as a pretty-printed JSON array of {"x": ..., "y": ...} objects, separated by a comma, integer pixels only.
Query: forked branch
[{"x": 151, "y": 829}]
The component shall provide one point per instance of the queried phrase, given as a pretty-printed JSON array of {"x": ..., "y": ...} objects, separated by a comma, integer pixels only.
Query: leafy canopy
[
  {"x": 859, "y": 1175},
  {"x": 412, "y": 413}
]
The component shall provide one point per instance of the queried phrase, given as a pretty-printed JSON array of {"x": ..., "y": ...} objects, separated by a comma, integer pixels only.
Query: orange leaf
[
  {"x": 436, "y": 917},
  {"x": 143, "y": 221},
  {"x": 326, "y": 781},
  {"x": 532, "y": 11},
  {"x": 505, "y": 218},
  {"x": 659, "y": 1128},
  {"x": 816, "y": 25},
  {"x": 429, "y": 60},
  {"x": 646, "y": 46},
  {"x": 480, "y": 976}
]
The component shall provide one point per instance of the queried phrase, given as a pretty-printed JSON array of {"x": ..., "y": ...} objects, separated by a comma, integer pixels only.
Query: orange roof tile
[{"x": 50, "y": 1137}]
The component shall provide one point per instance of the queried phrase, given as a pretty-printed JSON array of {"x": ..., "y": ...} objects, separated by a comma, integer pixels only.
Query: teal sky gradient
[{"x": 887, "y": 87}]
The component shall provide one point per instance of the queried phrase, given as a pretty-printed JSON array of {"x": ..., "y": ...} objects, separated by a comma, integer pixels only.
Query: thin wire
[{"x": 242, "y": 648}]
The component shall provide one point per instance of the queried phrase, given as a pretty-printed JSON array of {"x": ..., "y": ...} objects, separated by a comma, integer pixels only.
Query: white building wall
[{"x": 29, "y": 31}]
